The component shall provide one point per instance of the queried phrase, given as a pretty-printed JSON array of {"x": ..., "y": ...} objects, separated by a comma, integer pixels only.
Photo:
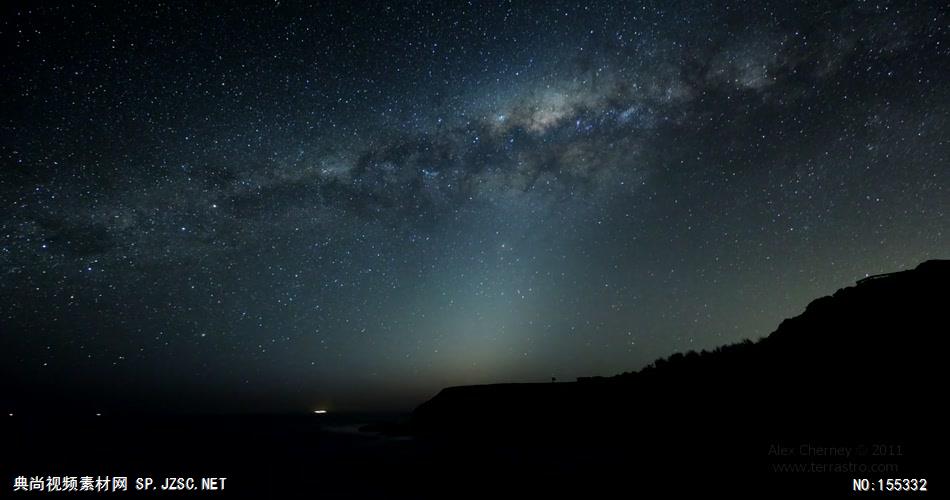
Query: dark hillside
[{"x": 848, "y": 374}]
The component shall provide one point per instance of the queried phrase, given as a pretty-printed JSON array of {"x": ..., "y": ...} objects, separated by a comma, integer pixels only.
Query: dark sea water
[
  {"x": 278, "y": 456},
  {"x": 262, "y": 456},
  {"x": 329, "y": 456}
]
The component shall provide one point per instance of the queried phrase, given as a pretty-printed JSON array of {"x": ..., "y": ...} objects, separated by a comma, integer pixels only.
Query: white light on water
[{"x": 319, "y": 412}]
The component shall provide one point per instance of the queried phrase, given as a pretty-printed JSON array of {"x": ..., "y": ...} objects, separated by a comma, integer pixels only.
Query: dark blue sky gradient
[{"x": 289, "y": 206}]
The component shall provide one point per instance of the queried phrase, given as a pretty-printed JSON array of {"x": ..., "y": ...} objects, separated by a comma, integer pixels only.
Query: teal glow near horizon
[{"x": 293, "y": 207}]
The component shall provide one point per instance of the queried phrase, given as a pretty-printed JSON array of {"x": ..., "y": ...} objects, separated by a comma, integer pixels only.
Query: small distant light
[
  {"x": 11, "y": 414},
  {"x": 319, "y": 412},
  {"x": 98, "y": 414}
]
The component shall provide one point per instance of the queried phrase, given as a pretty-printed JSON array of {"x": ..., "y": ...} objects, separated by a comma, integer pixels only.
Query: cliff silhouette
[
  {"x": 848, "y": 389},
  {"x": 856, "y": 368},
  {"x": 843, "y": 353}
]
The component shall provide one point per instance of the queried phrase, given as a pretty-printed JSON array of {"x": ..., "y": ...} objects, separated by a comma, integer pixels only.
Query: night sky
[{"x": 284, "y": 207}]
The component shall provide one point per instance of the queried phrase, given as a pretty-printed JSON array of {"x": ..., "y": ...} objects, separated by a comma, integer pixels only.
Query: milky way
[{"x": 282, "y": 206}]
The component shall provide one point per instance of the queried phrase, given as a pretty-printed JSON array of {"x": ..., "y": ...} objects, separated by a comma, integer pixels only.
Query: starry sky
[{"x": 279, "y": 206}]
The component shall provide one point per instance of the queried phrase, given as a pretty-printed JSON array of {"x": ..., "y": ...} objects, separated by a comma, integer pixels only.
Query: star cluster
[{"x": 276, "y": 206}]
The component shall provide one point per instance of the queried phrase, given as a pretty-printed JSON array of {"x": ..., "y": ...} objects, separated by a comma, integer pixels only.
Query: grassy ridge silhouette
[
  {"x": 859, "y": 358},
  {"x": 855, "y": 373}
]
